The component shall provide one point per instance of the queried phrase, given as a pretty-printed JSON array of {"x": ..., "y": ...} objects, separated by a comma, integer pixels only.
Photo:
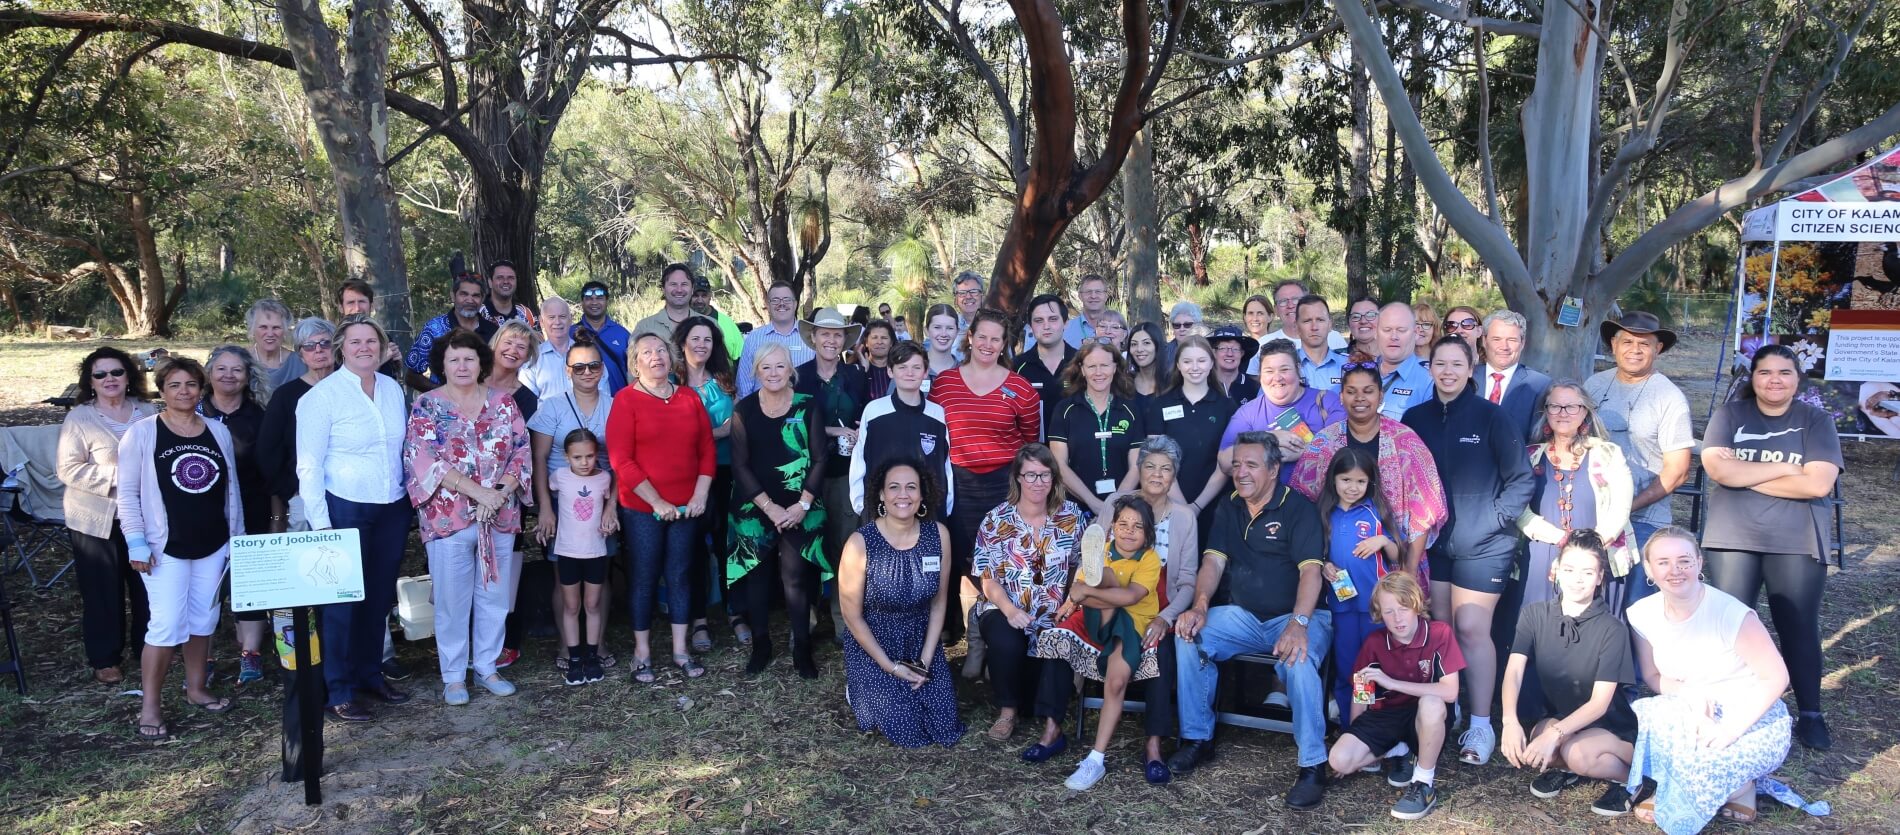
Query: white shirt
[
  {"x": 348, "y": 445},
  {"x": 1335, "y": 341},
  {"x": 1491, "y": 382},
  {"x": 547, "y": 377},
  {"x": 1700, "y": 650}
]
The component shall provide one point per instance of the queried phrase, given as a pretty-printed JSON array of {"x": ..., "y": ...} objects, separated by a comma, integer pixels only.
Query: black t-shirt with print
[
  {"x": 1747, "y": 520},
  {"x": 192, "y": 480},
  {"x": 1265, "y": 552},
  {"x": 1098, "y": 441}
]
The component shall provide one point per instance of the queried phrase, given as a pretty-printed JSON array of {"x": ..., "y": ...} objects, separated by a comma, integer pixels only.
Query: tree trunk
[
  {"x": 150, "y": 287},
  {"x": 326, "y": 289},
  {"x": 1138, "y": 210},
  {"x": 345, "y": 95},
  {"x": 1359, "y": 182}
]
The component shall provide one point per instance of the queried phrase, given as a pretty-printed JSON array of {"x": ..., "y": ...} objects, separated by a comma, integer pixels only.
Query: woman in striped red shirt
[{"x": 990, "y": 412}]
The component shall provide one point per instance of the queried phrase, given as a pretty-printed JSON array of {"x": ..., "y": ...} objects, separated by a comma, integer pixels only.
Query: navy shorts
[
  {"x": 577, "y": 570},
  {"x": 1382, "y": 729}
]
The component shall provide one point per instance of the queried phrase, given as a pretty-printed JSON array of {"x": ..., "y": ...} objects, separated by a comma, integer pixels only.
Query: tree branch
[
  {"x": 1461, "y": 15},
  {"x": 949, "y": 20},
  {"x": 1843, "y": 46},
  {"x": 440, "y": 46},
  {"x": 40, "y": 87}
]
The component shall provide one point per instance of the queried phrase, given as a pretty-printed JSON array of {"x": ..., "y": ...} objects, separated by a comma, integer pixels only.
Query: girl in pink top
[{"x": 581, "y": 496}]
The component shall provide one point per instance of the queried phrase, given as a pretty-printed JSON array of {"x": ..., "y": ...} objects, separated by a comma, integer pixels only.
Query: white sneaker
[
  {"x": 1476, "y": 744},
  {"x": 1086, "y": 775}
]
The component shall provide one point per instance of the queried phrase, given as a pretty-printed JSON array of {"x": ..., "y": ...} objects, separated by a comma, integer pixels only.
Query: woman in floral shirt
[
  {"x": 466, "y": 462},
  {"x": 1022, "y": 561}
]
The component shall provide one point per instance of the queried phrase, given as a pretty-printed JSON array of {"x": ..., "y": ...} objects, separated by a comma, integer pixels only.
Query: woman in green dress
[{"x": 778, "y": 453}]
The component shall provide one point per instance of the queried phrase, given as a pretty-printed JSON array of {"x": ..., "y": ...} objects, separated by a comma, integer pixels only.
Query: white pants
[
  {"x": 184, "y": 597},
  {"x": 471, "y": 616}
]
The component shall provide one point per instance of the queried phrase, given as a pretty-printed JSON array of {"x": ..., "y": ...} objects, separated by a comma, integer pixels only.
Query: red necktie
[{"x": 1497, "y": 387}]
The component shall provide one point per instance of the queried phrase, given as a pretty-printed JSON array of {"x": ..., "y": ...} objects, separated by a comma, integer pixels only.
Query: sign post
[{"x": 297, "y": 571}]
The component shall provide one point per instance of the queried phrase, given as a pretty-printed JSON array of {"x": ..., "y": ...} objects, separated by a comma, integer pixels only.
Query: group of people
[{"x": 1417, "y": 527}]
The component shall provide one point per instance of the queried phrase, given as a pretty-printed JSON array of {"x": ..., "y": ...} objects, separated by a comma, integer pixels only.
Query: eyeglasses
[
  {"x": 116, "y": 372},
  {"x": 967, "y": 293},
  {"x": 584, "y": 367},
  {"x": 318, "y": 344},
  {"x": 1369, "y": 316},
  {"x": 1036, "y": 478},
  {"x": 1565, "y": 409},
  {"x": 1183, "y": 325},
  {"x": 1465, "y": 324},
  {"x": 1288, "y": 302},
  {"x": 593, "y": 294}
]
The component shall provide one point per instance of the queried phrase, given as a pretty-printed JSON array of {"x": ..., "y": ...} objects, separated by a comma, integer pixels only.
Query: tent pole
[
  {"x": 1731, "y": 327},
  {"x": 1768, "y": 313}
]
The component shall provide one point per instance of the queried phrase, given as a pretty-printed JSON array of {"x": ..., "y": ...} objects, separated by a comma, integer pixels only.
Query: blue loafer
[
  {"x": 1157, "y": 772},
  {"x": 1041, "y": 753}
]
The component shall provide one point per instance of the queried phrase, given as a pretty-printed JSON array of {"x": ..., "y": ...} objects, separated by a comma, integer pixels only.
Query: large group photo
[{"x": 1029, "y": 417}]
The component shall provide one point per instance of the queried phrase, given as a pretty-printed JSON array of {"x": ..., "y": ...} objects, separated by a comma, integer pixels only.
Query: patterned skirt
[
  {"x": 1693, "y": 782},
  {"x": 1083, "y": 639},
  {"x": 751, "y": 536}
]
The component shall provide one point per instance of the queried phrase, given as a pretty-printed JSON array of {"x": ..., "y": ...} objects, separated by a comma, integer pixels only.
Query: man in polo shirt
[
  {"x": 1412, "y": 667},
  {"x": 611, "y": 336},
  {"x": 1043, "y": 365},
  {"x": 1321, "y": 366},
  {"x": 1516, "y": 388},
  {"x": 781, "y": 305},
  {"x": 676, "y": 292},
  {"x": 1406, "y": 383},
  {"x": 501, "y": 306},
  {"x": 1258, "y": 591},
  {"x": 1093, "y": 291}
]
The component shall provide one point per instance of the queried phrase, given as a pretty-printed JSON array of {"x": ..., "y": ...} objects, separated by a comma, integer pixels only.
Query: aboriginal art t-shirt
[
  {"x": 192, "y": 478},
  {"x": 1747, "y": 520}
]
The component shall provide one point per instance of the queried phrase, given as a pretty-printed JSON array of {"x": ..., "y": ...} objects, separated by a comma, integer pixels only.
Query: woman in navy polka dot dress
[{"x": 891, "y": 586}]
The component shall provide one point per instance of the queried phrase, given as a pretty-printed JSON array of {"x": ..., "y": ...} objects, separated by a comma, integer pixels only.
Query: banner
[{"x": 307, "y": 568}]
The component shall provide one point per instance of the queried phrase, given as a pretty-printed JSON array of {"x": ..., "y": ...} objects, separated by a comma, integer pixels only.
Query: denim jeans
[
  {"x": 353, "y": 633},
  {"x": 654, "y": 546},
  {"x": 1231, "y": 631},
  {"x": 1636, "y": 584}
]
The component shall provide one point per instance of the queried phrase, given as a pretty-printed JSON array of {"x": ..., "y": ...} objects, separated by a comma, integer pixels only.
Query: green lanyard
[{"x": 1101, "y": 429}]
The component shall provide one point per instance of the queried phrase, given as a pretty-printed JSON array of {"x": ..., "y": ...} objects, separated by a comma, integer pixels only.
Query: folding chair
[
  {"x": 31, "y": 534},
  {"x": 13, "y": 665},
  {"x": 1232, "y": 693}
]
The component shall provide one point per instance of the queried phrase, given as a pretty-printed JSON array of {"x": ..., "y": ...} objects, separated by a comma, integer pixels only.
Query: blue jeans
[
  {"x": 1636, "y": 584},
  {"x": 353, "y": 633},
  {"x": 1231, "y": 631},
  {"x": 654, "y": 546}
]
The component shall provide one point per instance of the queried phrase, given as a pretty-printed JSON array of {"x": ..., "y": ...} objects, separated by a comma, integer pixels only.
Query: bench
[{"x": 1232, "y": 685}]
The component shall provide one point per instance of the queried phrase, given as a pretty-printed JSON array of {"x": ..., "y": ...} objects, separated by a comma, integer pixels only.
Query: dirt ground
[{"x": 723, "y": 754}]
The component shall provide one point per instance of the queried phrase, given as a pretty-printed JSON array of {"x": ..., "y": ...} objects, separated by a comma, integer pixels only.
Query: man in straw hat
[
  {"x": 1647, "y": 416},
  {"x": 841, "y": 391}
]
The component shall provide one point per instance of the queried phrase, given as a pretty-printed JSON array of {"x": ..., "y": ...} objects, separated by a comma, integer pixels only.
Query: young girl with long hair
[{"x": 1360, "y": 549}]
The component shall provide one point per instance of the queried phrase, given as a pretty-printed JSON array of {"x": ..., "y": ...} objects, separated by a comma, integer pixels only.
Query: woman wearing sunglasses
[
  {"x": 1468, "y": 324},
  {"x": 583, "y": 406},
  {"x": 112, "y": 396}
]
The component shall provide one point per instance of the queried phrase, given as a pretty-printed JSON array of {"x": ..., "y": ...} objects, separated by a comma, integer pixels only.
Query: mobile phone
[{"x": 915, "y": 668}]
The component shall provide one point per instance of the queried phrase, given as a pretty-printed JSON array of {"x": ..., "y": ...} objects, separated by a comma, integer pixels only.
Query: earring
[
  {"x": 880, "y": 508},
  {"x": 1648, "y": 579},
  {"x": 922, "y": 511}
]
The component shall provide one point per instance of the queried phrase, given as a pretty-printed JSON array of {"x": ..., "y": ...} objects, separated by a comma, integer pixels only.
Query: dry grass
[{"x": 724, "y": 754}]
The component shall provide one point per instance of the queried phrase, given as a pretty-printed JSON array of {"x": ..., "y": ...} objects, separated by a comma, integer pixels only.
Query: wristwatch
[
  {"x": 1302, "y": 620},
  {"x": 804, "y": 505}
]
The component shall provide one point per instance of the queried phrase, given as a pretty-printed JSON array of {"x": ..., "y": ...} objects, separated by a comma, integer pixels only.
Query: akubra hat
[
  {"x": 1639, "y": 322},
  {"x": 1229, "y": 333},
  {"x": 828, "y": 318}
]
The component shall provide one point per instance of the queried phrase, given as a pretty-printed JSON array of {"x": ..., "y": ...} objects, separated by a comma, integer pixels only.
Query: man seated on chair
[
  {"x": 1258, "y": 592},
  {"x": 1409, "y": 670}
]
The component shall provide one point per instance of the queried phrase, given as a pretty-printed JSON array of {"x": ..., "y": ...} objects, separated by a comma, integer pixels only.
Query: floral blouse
[
  {"x": 1033, "y": 567},
  {"x": 492, "y": 446}
]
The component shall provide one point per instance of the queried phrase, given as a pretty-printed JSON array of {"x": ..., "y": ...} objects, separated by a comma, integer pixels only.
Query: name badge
[
  {"x": 1402, "y": 392},
  {"x": 1037, "y": 385},
  {"x": 1103, "y": 436},
  {"x": 1173, "y": 412},
  {"x": 926, "y": 386},
  {"x": 1104, "y": 486},
  {"x": 933, "y": 564}
]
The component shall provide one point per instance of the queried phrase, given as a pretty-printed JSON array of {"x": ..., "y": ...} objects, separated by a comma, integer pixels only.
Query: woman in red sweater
[
  {"x": 661, "y": 445},
  {"x": 990, "y": 412}
]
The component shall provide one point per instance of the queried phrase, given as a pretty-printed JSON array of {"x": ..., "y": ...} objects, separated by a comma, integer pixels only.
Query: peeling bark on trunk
[{"x": 1358, "y": 182}]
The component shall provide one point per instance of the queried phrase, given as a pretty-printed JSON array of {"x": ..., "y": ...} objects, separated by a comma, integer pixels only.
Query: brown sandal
[
  {"x": 108, "y": 676},
  {"x": 1738, "y": 812},
  {"x": 1003, "y": 729}
]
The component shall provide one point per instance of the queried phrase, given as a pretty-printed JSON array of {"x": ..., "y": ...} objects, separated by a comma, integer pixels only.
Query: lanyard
[{"x": 1101, "y": 429}]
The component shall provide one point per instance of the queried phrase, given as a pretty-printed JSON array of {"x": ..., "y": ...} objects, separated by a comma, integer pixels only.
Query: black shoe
[
  {"x": 803, "y": 662},
  {"x": 825, "y": 629},
  {"x": 348, "y": 712},
  {"x": 1552, "y": 783},
  {"x": 761, "y": 655},
  {"x": 1308, "y": 790},
  {"x": 1615, "y": 802},
  {"x": 395, "y": 671},
  {"x": 1810, "y": 729},
  {"x": 385, "y": 694},
  {"x": 591, "y": 668},
  {"x": 1398, "y": 772},
  {"x": 1191, "y": 755},
  {"x": 576, "y": 674}
]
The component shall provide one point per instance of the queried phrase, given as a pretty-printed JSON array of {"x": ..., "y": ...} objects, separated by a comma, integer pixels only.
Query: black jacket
[{"x": 1487, "y": 474}]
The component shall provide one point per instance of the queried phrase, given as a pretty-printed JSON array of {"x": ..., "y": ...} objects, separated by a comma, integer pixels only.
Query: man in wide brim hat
[
  {"x": 1639, "y": 322},
  {"x": 828, "y": 318},
  {"x": 1230, "y": 333}
]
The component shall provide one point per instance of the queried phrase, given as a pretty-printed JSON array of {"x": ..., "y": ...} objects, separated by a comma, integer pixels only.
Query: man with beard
[{"x": 465, "y": 314}]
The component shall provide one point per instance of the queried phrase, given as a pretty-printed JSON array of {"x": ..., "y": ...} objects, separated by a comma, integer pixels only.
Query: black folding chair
[
  {"x": 13, "y": 665},
  {"x": 30, "y": 533}
]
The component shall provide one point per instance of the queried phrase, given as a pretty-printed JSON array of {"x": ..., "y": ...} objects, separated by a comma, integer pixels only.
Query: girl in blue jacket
[
  {"x": 1359, "y": 549},
  {"x": 1487, "y": 475}
]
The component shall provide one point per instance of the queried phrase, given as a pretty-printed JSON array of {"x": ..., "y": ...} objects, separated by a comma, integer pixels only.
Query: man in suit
[{"x": 1517, "y": 388}]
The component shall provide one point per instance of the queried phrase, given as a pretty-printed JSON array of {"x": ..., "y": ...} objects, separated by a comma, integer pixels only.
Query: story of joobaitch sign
[{"x": 308, "y": 568}]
